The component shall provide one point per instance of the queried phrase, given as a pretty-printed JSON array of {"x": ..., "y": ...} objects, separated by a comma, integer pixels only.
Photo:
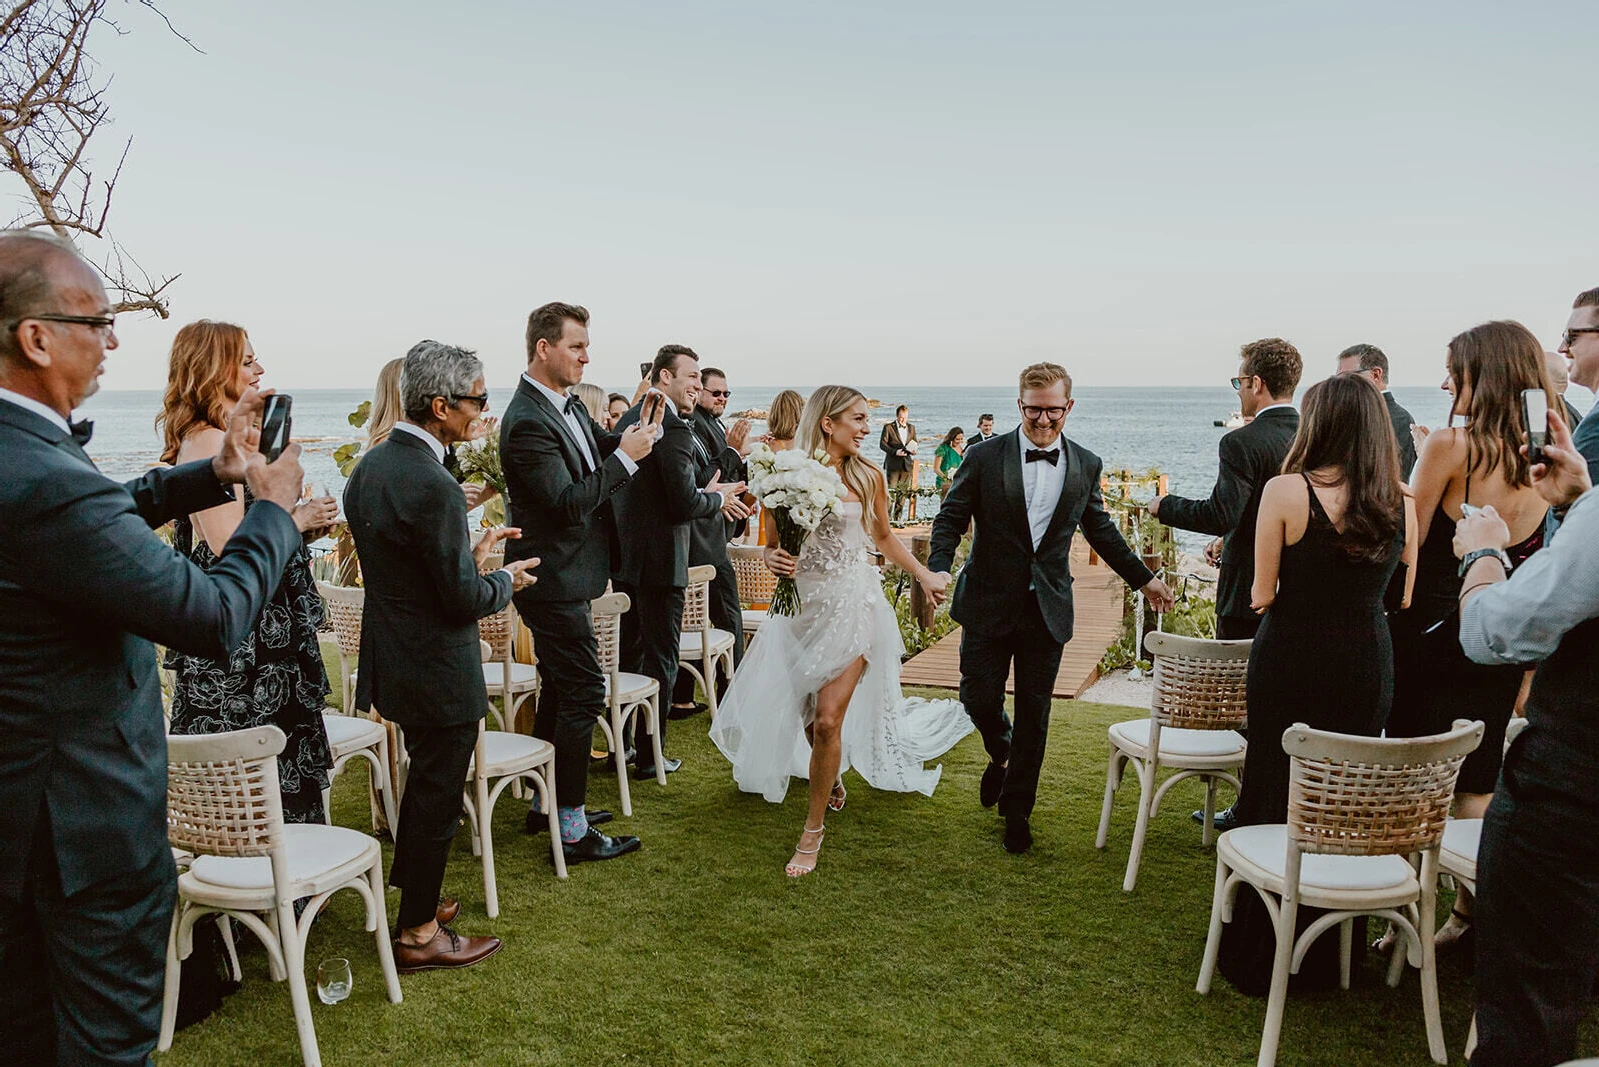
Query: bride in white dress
[{"x": 819, "y": 693}]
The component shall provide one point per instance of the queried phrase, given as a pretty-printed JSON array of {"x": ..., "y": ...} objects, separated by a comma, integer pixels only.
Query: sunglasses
[
  {"x": 1571, "y": 335},
  {"x": 719, "y": 393},
  {"x": 1238, "y": 382},
  {"x": 480, "y": 399}
]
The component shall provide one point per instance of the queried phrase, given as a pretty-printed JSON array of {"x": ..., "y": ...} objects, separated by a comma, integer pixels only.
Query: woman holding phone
[
  {"x": 276, "y": 677},
  {"x": 1474, "y": 465}
]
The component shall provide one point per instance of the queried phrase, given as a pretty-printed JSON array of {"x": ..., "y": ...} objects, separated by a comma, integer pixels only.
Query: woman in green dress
[{"x": 951, "y": 450}]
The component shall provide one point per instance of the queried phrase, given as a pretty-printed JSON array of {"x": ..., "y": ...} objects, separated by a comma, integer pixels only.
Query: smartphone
[
  {"x": 276, "y": 425},
  {"x": 1535, "y": 414},
  {"x": 644, "y": 370},
  {"x": 1468, "y": 510}
]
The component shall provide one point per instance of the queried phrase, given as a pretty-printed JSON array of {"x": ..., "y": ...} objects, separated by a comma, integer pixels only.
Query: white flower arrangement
[{"x": 800, "y": 490}]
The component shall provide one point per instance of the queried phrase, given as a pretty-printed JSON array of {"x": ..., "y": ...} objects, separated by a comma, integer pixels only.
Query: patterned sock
[{"x": 574, "y": 824}]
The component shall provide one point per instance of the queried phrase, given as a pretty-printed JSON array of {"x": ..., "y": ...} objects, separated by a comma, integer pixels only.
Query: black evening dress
[
  {"x": 275, "y": 678},
  {"x": 1435, "y": 682},
  {"x": 1323, "y": 657}
]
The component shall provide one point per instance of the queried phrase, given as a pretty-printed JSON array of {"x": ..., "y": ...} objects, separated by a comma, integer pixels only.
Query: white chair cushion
[
  {"x": 753, "y": 618},
  {"x": 688, "y": 645},
  {"x": 506, "y": 751},
  {"x": 522, "y": 674},
  {"x": 347, "y": 733},
  {"x": 634, "y": 686},
  {"x": 313, "y": 850},
  {"x": 1461, "y": 838},
  {"x": 1135, "y": 734},
  {"x": 1267, "y": 848}
]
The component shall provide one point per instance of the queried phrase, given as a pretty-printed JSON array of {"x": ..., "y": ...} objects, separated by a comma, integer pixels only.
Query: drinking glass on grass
[{"x": 333, "y": 981}]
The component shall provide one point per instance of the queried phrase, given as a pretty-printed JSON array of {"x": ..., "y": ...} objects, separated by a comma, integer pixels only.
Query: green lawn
[{"x": 918, "y": 940}]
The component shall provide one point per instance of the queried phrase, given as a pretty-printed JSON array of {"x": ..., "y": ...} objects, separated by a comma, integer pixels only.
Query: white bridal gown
[{"x": 760, "y": 725}]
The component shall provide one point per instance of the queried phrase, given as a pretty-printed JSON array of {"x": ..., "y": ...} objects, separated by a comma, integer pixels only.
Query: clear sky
[{"x": 868, "y": 192}]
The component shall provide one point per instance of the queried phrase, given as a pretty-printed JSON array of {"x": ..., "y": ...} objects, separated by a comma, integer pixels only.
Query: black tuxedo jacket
[
  {"x": 1004, "y": 569},
  {"x": 654, "y": 512},
  {"x": 419, "y": 646},
  {"x": 563, "y": 510},
  {"x": 721, "y": 459},
  {"x": 1407, "y": 444},
  {"x": 891, "y": 441},
  {"x": 84, "y": 590},
  {"x": 1250, "y": 456}
]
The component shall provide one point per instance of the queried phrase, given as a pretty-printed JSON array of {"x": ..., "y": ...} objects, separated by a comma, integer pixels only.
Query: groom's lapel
[
  {"x": 1068, "y": 490},
  {"x": 1010, "y": 466}
]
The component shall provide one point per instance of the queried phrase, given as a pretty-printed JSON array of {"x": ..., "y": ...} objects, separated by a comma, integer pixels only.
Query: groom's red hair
[{"x": 1044, "y": 375}]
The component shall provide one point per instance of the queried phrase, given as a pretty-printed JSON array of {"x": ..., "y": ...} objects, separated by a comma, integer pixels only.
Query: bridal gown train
[{"x": 760, "y": 725}]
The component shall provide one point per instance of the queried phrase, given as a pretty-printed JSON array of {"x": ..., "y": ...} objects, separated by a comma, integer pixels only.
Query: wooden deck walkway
[{"x": 1097, "y": 596}]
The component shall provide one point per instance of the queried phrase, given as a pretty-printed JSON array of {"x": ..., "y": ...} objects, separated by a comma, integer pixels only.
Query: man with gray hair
[
  {"x": 419, "y": 646},
  {"x": 86, "y": 877},
  {"x": 1369, "y": 360}
]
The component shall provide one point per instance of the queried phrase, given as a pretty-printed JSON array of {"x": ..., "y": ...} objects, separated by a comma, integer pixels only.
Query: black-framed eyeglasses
[
  {"x": 480, "y": 399},
  {"x": 1043, "y": 414},
  {"x": 103, "y": 322},
  {"x": 1571, "y": 335},
  {"x": 719, "y": 393},
  {"x": 1238, "y": 382}
]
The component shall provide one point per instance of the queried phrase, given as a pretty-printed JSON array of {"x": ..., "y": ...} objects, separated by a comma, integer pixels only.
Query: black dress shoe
[
  {"x": 537, "y": 823},
  {"x": 596, "y": 846},
  {"x": 993, "y": 782},
  {"x": 675, "y": 713},
  {"x": 1224, "y": 820},
  {"x": 671, "y": 765},
  {"x": 1018, "y": 835}
]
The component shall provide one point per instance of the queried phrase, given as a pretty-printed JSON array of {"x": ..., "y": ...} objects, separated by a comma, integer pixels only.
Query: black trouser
[
  {"x": 1237, "y": 627},
  {"x": 429, "y": 814},
  {"x": 81, "y": 976},
  {"x": 650, "y": 632},
  {"x": 1537, "y": 923},
  {"x": 986, "y": 658},
  {"x": 727, "y": 613},
  {"x": 572, "y": 689}
]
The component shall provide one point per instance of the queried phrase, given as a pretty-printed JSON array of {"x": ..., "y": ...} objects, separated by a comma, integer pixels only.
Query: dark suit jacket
[
  {"x": 1407, "y": 444},
  {"x": 1250, "y": 457},
  {"x": 890, "y": 442},
  {"x": 654, "y": 512},
  {"x": 705, "y": 544},
  {"x": 1585, "y": 438},
  {"x": 419, "y": 645},
  {"x": 84, "y": 589},
  {"x": 563, "y": 511},
  {"x": 993, "y": 587},
  {"x": 1572, "y": 415}
]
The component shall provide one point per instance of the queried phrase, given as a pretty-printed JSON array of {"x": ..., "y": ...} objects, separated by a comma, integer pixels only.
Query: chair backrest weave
[
  {"x": 499, "y": 630},
  {"x": 756, "y": 584},
  {"x": 222, "y": 792},
  {"x": 697, "y": 599},
  {"x": 344, "y": 603},
  {"x": 1199, "y": 684},
  {"x": 1372, "y": 796},
  {"x": 607, "y": 612}
]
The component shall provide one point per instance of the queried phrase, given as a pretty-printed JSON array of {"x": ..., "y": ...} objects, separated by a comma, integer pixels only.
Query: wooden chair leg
[
  {"x": 225, "y": 928},
  {"x": 1146, "y": 769},
  {"x": 1207, "y": 968},
  {"x": 1112, "y": 779},
  {"x": 1277, "y": 1000},
  {"x": 391, "y": 977},
  {"x": 655, "y": 738},
  {"x": 299, "y": 995},
  {"x": 1346, "y": 948},
  {"x": 557, "y": 850},
  {"x": 619, "y": 754},
  {"x": 491, "y": 890},
  {"x": 1207, "y": 830}
]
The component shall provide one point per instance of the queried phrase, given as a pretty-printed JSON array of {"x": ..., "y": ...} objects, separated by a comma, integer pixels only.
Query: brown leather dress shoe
[
  {"x": 447, "y": 949},
  {"x": 448, "y": 909}
]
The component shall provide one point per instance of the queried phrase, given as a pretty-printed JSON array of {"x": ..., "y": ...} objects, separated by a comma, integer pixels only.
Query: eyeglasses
[
  {"x": 1043, "y": 414},
  {"x": 1571, "y": 335},
  {"x": 102, "y": 322},
  {"x": 1238, "y": 382},
  {"x": 719, "y": 393},
  {"x": 480, "y": 399}
]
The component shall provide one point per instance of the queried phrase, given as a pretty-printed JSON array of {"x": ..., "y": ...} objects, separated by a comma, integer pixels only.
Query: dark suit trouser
[
  {"x": 986, "y": 658},
  {"x": 572, "y": 690},
  {"x": 81, "y": 976},
  {"x": 429, "y": 814},
  {"x": 650, "y": 632},
  {"x": 1537, "y": 924},
  {"x": 727, "y": 613},
  {"x": 1237, "y": 627}
]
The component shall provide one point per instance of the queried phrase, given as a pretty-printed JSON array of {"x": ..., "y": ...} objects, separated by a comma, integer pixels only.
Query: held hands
[
  {"x": 521, "y": 573},
  {"x": 1159, "y": 596},
  {"x": 937, "y": 585},
  {"x": 314, "y": 517},
  {"x": 639, "y": 438},
  {"x": 1563, "y": 475},
  {"x": 780, "y": 562},
  {"x": 1484, "y": 529},
  {"x": 485, "y": 545}
]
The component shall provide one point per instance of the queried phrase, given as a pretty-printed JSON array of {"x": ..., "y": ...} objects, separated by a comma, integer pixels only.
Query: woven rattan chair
[
  {"x": 1359, "y": 810},
  {"x": 344, "y": 604},
  {"x": 1198, "y": 706},
  {"x": 702, "y": 648},
  {"x": 626, "y": 695},
  {"x": 224, "y": 810},
  {"x": 507, "y": 681},
  {"x": 756, "y": 585},
  {"x": 350, "y": 735}
]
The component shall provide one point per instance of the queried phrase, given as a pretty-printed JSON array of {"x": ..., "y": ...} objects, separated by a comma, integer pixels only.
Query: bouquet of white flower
[
  {"x": 799, "y": 490},
  {"x": 479, "y": 460}
]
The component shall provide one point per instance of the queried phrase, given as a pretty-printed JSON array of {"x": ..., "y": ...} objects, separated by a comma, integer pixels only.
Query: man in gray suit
[{"x": 86, "y": 878}]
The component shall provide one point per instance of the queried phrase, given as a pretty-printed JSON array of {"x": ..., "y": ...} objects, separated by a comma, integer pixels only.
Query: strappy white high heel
[
  {"x": 835, "y": 799},
  {"x": 794, "y": 870}
]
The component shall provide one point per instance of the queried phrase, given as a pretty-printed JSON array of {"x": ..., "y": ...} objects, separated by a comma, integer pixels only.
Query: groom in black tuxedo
[{"x": 1029, "y": 490}]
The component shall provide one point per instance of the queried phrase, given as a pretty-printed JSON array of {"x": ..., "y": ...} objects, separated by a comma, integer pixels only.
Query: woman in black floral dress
[{"x": 276, "y": 677}]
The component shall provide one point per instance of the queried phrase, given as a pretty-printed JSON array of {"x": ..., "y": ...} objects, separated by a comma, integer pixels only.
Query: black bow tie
[
  {"x": 1052, "y": 456},
  {"x": 82, "y": 432},
  {"x": 573, "y": 404}
]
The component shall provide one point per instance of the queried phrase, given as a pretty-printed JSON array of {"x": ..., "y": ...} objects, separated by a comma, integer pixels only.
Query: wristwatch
[{"x": 1484, "y": 553}]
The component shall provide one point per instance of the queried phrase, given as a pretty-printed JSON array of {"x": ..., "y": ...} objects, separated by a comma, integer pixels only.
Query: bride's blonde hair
[{"x": 860, "y": 474}]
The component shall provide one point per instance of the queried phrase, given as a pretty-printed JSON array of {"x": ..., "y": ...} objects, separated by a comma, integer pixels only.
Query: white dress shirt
[
  {"x": 416, "y": 431},
  {"x": 1041, "y": 484},
  {"x": 27, "y": 403}
]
